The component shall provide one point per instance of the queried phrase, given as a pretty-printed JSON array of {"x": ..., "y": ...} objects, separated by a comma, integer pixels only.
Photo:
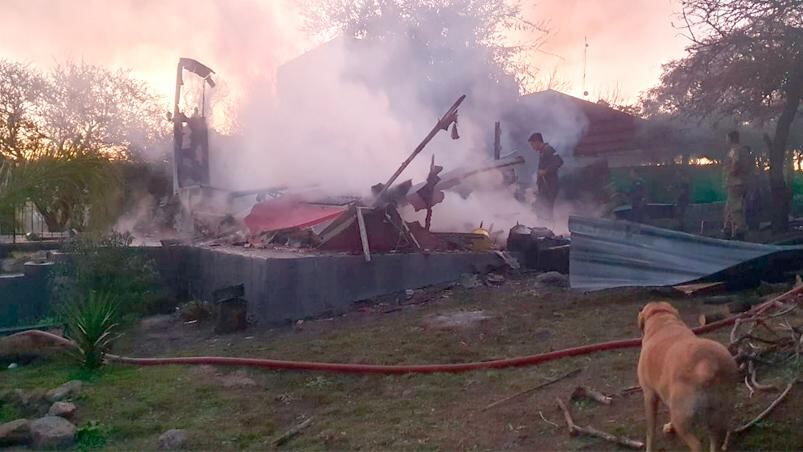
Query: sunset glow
[{"x": 246, "y": 41}]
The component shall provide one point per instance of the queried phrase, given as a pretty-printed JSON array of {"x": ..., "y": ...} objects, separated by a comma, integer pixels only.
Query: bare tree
[
  {"x": 745, "y": 62},
  {"x": 21, "y": 90},
  {"x": 91, "y": 110}
]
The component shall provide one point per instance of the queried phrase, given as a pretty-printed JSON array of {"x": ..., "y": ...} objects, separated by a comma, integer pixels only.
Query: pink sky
[
  {"x": 628, "y": 41},
  {"x": 245, "y": 40}
]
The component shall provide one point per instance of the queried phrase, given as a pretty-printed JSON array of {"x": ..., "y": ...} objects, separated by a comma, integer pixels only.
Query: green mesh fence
[{"x": 705, "y": 181}]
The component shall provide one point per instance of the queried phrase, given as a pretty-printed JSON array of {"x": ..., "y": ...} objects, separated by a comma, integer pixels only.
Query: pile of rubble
[{"x": 306, "y": 218}]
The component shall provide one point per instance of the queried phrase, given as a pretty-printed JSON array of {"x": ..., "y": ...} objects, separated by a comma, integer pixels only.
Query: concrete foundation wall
[
  {"x": 279, "y": 287},
  {"x": 28, "y": 247},
  {"x": 24, "y": 297},
  {"x": 286, "y": 289}
]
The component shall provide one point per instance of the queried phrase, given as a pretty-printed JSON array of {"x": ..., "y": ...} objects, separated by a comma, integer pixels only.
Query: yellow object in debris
[{"x": 484, "y": 243}]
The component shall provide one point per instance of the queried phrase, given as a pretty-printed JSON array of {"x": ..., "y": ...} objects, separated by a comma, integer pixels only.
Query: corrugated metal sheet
[{"x": 607, "y": 254}]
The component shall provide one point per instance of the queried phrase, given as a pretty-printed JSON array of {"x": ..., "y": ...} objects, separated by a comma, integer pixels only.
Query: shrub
[{"x": 106, "y": 264}]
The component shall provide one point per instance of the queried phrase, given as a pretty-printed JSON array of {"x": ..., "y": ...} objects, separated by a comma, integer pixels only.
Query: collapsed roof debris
[
  {"x": 288, "y": 212},
  {"x": 306, "y": 217}
]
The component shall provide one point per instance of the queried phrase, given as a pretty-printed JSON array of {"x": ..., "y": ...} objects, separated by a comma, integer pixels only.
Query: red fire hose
[{"x": 521, "y": 361}]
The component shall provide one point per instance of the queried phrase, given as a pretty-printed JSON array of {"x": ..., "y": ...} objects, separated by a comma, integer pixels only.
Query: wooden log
[{"x": 574, "y": 429}]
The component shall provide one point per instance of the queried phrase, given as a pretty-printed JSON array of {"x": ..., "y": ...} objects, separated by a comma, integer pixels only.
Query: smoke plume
[{"x": 342, "y": 117}]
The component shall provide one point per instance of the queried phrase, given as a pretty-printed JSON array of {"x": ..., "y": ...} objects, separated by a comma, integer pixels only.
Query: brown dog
[{"x": 694, "y": 377}]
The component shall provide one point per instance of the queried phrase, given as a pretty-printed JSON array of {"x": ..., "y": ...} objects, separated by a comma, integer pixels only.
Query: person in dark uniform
[{"x": 547, "y": 182}]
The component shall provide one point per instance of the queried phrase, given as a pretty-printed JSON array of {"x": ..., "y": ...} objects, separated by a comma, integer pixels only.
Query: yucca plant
[{"x": 92, "y": 323}]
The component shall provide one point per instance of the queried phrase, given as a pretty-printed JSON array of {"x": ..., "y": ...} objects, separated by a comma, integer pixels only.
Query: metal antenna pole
[{"x": 585, "y": 60}]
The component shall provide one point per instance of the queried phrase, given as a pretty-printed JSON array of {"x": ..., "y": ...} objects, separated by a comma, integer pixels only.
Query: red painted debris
[{"x": 288, "y": 213}]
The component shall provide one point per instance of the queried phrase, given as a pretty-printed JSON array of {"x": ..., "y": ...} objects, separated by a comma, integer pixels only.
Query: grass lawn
[{"x": 124, "y": 407}]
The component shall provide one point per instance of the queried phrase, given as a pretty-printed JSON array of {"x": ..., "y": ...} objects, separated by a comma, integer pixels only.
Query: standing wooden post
[
  {"x": 366, "y": 250},
  {"x": 497, "y": 140}
]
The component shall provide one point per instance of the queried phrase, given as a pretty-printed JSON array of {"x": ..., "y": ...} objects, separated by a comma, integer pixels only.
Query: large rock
[
  {"x": 173, "y": 439},
  {"x": 62, "y": 409},
  {"x": 52, "y": 432},
  {"x": 65, "y": 391},
  {"x": 15, "y": 433}
]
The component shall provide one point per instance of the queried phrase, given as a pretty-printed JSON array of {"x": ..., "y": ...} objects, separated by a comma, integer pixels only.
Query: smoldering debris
[{"x": 387, "y": 220}]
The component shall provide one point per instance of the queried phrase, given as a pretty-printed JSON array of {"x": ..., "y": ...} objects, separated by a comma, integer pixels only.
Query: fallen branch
[
  {"x": 292, "y": 433},
  {"x": 574, "y": 429},
  {"x": 749, "y": 388},
  {"x": 767, "y": 411},
  {"x": 630, "y": 390},
  {"x": 585, "y": 392},
  {"x": 762, "y": 415},
  {"x": 755, "y": 384},
  {"x": 534, "y": 388},
  {"x": 547, "y": 420}
]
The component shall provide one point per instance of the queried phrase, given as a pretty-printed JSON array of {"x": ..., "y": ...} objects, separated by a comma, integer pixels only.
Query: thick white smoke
[
  {"x": 343, "y": 117},
  {"x": 327, "y": 127}
]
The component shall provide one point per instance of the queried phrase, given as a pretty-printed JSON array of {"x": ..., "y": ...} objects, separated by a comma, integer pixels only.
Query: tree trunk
[
  {"x": 55, "y": 218},
  {"x": 781, "y": 199}
]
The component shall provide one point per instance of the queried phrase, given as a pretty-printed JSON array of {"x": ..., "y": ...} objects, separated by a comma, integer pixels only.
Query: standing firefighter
[
  {"x": 547, "y": 182},
  {"x": 736, "y": 174}
]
